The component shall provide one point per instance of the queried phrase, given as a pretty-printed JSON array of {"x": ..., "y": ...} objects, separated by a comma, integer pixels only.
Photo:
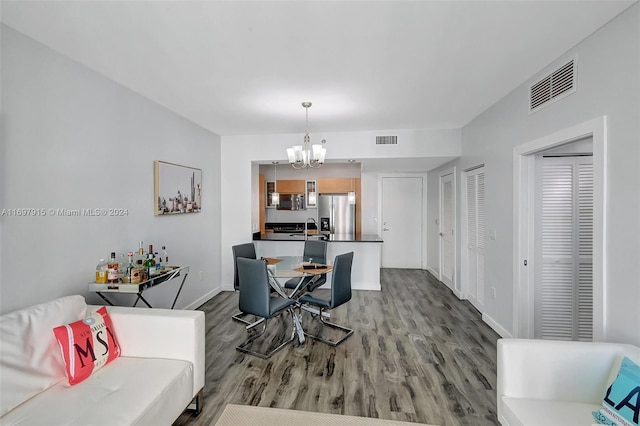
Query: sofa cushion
[
  {"x": 129, "y": 391},
  {"x": 538, "y": 412},
  {"x": 87, "y": 344},
  {"x": 30, "y": 360},
  {"x": 621, "y": 401}
]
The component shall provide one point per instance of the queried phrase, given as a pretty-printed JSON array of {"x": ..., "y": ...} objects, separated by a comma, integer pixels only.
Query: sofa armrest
[
  {"x": 556, "y": 370},
  {"x": 161, "y": 333}
]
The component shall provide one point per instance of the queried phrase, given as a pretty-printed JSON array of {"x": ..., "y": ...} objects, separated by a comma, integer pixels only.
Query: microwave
[{"x": 292, "y": 202}]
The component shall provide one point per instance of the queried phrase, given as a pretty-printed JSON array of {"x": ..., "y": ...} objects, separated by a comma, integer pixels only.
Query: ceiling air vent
[
  {"x": 386, "y": 140},
  {"x": 554, "y": 86}
]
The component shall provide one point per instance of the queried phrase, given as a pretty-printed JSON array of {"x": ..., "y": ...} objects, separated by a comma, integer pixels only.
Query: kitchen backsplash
[{"x": 274, "y": 215}]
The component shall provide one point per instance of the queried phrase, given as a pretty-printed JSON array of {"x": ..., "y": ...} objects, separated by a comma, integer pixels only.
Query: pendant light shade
[
  {"x": 351, "y": 195},
  {"x": 275, "y": 196}
]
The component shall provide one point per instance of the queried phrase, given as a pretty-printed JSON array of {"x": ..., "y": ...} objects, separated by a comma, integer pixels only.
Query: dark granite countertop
[{"x": 358, "y": 238}]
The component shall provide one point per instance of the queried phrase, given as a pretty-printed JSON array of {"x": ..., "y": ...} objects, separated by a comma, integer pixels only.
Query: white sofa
[
  {"x": 159, "y": 373},
  {"x": 545, "y": 382}
]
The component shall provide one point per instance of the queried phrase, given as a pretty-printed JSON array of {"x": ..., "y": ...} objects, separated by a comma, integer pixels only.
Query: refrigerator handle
[{"x": 331, "y": 217}]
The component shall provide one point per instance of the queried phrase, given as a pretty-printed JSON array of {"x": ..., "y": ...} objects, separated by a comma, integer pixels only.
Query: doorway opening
[
  {"x": 402, "y": 227},
  {"x": 447, "y": 231},
  {"x": 563, "y": 246},
  {"x": 524, "y": 229},
  {"x": 473, "y": 236}
]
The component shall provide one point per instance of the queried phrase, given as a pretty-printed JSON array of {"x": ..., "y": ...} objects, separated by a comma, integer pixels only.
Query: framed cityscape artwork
[{"x": 177, "y": 189}]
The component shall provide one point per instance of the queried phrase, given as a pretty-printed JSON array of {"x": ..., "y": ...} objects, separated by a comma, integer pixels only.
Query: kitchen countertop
[{"x": 358, "y": 238}]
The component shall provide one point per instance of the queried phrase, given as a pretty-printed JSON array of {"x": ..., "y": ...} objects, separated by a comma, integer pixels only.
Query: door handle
[
  {"x": 441, "y": 234},
  {"x": 385, "y": 229}
]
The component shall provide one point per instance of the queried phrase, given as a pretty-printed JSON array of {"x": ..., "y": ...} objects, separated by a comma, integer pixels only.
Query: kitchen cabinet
[
  {"x": 311, "y": 193},
  {"x": 286, "y": 186},
  {"x": 291, "y": 186},
  {"x": 270, "y": 189},
  {"x": 338, "y": 185}
]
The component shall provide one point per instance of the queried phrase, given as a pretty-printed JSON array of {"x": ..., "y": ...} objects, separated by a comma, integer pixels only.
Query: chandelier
[{"x": 306, "y": 155}]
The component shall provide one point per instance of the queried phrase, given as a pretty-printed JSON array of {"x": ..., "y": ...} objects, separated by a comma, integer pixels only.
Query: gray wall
[
  {"x": 608, "y": 83},
  {"x": 74, "y": 139}
]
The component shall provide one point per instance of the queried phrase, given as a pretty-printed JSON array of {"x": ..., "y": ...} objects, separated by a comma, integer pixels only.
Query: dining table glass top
[{"x": 295, "y": 266}]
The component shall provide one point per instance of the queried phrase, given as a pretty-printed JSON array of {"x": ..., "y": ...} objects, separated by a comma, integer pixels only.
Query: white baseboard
[
  {"x": 503, "y": 332},
  {"x": 200, "y": 301},
  {"x": 365, "y": 286},
  {"x": 432, "y": 272},
  {"x": 458, "y": 293}
]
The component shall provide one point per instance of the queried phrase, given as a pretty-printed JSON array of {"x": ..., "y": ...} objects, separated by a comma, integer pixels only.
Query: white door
[
  {"x": 447, "y": 230},
  {"x": 402, "y": 222},
  {"x": 563, "y": 306},
  {"x": 473, "y": 260}
]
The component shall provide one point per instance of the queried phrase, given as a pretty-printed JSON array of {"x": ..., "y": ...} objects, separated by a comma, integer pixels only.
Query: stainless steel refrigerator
[{"x": 336, "y": 215}]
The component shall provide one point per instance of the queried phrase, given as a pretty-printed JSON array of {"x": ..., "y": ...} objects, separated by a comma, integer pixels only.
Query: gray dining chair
[
  {"x": 339, "y": 294},
  {"x": 317, "y": 251},
  {"x": 256, "y": 299},
  {"x": 247, "y": 251}
]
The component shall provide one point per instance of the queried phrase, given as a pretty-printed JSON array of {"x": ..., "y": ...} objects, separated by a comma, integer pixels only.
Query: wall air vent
[
  {"x": 553, "y": 87},
  {"x": 386, "y": 140}
]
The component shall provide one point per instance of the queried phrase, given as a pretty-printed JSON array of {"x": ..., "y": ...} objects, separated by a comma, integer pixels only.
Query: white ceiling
[{"x": 239, "y": 67}]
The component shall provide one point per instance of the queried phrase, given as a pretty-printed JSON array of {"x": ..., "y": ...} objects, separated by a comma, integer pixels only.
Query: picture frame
[{"x": 177, "y": 189}]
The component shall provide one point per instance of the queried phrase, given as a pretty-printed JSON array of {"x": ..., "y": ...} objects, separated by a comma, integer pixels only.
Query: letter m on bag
[{"x": 85, "y": 352}]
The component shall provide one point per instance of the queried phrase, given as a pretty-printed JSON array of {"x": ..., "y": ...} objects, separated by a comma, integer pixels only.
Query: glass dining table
[{"x": 288, "y": 267}]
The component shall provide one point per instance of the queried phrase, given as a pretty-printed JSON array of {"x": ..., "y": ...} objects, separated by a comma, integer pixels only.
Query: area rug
[{"x": 246, "y": 415}]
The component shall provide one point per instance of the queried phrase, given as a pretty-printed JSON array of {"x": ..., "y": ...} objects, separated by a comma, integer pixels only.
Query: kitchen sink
[{"x": 310, "y": 237}]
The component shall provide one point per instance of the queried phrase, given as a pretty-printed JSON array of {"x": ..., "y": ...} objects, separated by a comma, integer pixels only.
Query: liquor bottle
[
  {"x": 126, "y": 278},
  {"x": 164, "y": 256},
  {"x": 138, "y": 259},
  {"x": 140, "y": 249},
  {"x": 122, "y": 266},
  {"x": 150, "y": 265},
  {"x": 112, "y": 269},
  {"x": 150, "y": 249},
  {"x": 101, "y": 272},
  {"x": 158, "y": 260}
]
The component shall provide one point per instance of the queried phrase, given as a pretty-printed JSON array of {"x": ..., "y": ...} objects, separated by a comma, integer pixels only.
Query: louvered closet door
[
  {"x": 447, "y": 231},
  {"x": 475, "y": 236},
  {"x": 564, "y": 279}
]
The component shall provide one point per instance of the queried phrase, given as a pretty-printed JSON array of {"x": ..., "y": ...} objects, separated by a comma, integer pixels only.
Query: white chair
[{"x": 547, "y": 382}]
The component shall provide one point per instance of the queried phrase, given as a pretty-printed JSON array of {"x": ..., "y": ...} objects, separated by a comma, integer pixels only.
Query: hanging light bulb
[
  {"x": 351, "y": 195},
  {"x": 275, "y": 196}
]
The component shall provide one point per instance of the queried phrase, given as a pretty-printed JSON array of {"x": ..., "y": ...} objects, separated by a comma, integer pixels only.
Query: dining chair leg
[
  {"x": 242, "y": 317},
  {"x": 348, "y": 331},
  {"x": 243, "y": 347},
  {"x": 254, "y": 324}
]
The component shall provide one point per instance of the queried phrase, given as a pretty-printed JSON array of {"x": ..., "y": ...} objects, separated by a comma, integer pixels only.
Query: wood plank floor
[{"x": 417, "y": 354}]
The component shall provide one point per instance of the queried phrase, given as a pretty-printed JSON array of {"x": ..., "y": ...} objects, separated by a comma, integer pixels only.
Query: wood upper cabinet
[
  {"x": 297, "y": 186},
  {"x": 337, "y": 185},
  {"x": 269, "y": 190}
]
